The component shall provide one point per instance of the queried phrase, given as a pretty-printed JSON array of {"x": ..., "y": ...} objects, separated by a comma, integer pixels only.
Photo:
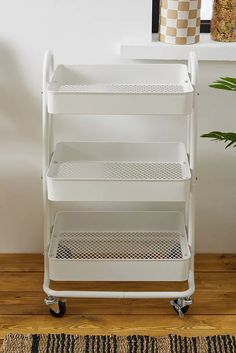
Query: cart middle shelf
[{"x": 119, "y": 171}]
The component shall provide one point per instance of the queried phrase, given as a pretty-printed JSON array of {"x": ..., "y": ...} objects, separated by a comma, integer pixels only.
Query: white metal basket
[
  {"x": 118, "y": 171},
  {"x": 119, "y": 246},
  {"x": 120, "y": 89}
]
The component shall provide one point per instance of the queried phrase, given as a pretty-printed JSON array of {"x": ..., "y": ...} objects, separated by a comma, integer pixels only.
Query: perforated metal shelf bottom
[
  {"x": 123, "y": 88},
  {"x": 119, "y": 170},
  {"x": 119, "y": 246}
]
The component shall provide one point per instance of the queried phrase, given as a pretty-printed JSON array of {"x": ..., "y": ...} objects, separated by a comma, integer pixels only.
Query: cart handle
[
  {"x": 48, "y": 68},
  {"x": 193, "y": 67}
]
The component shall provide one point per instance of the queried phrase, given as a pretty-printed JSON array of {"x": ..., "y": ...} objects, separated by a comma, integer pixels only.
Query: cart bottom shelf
[{"x": 152, "y": 252}]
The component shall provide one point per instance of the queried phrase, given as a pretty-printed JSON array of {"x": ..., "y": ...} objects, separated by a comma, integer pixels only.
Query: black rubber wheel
[
  {"x": 184, "y": 309},
  {"x": 62, "y": 308}
]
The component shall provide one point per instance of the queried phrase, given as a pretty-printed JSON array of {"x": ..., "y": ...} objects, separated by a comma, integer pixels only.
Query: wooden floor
[{"x": 22, "y": 309}]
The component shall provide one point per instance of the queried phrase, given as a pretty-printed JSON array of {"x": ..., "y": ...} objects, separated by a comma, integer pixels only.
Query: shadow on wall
[
  {"x": 20, "y": 111},
  {"x": 20, "y": 156}
]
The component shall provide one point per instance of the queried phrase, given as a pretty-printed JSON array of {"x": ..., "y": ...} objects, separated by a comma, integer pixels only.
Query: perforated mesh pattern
[
  {"x": 118, "y": 245},
  {"x": 120, "y": 170},
  {"x": 123, "y": 88}
]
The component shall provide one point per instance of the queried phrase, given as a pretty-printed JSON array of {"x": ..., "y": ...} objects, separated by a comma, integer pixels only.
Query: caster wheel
[
  {"x": 62, "y": 310},
  {"x": 184, "y": 310},
  {"x": 181, "y": 305}
]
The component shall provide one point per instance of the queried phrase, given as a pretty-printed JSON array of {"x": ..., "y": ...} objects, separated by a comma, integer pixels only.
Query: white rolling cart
[{"x": 127, "y": 245}]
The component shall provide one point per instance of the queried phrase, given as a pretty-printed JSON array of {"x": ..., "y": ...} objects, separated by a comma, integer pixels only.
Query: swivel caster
[
  {"x": 181, "y": 305},
  {"x": 57, "y": 308}
]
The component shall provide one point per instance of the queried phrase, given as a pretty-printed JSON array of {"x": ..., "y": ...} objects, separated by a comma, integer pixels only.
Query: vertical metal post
[
  {"x": 192, "y": 68},
  {"x": 48, "y": 68}
]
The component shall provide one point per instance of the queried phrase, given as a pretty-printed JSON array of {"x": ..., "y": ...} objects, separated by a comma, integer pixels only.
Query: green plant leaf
[
  {"x": 225, "y": 83},
  {"x": 229, "y": 79},
  {"x": 220, "y": 86},
  {"x": 228, "y": 82},
  {"x": 228, "y": 137}
]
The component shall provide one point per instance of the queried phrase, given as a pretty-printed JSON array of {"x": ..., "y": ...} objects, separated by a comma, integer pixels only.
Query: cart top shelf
[
  {"x": 120, "y": 89},
  {"x": 118, "y": 79}
]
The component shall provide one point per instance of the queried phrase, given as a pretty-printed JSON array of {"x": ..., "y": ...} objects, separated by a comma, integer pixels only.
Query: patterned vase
[
  {"x": 180, "y": 21},
  {"x": 223, "y": 23}
]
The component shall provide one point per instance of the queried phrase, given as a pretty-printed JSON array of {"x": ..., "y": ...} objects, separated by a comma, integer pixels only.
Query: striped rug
[{"x": 62, "y": 343}]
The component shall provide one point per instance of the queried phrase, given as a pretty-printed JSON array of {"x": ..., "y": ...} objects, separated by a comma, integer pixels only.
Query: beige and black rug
[{"x": 62, "y": 343}]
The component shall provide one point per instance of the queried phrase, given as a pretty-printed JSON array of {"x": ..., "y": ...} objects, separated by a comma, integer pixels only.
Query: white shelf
[
  {"x": 120, "y": 89},
  {"x": 206, "y": 49},
  {"x": 119, "y": 246},
  {"x": 118, "y": 171}
]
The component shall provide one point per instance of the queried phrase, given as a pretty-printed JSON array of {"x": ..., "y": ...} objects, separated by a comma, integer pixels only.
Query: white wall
[
  {"x": 206, "y": 9},
  {"x": 81, "y": 32}
]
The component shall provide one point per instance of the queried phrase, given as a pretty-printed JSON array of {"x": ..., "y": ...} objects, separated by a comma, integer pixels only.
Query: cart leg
[
  {"x": 181, "y": 305},
  {"x": 57, "y": 308}
]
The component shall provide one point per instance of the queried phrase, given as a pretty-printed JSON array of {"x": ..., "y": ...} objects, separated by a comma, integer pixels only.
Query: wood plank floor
[{"x": 22, "y": 308}]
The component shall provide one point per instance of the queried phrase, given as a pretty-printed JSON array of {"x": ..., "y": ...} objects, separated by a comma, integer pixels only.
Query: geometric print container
[{"x": 180, "y": 21}]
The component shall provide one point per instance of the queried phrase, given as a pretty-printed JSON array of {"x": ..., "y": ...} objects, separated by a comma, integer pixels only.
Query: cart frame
[{"x": 54, "y": 296}]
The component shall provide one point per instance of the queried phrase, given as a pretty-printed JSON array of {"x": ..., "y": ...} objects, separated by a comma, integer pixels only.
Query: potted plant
[{"x": 229, "y": 84}]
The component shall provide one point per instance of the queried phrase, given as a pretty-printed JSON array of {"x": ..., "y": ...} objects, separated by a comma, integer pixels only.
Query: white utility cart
[{"x": 127, "y": 245}]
